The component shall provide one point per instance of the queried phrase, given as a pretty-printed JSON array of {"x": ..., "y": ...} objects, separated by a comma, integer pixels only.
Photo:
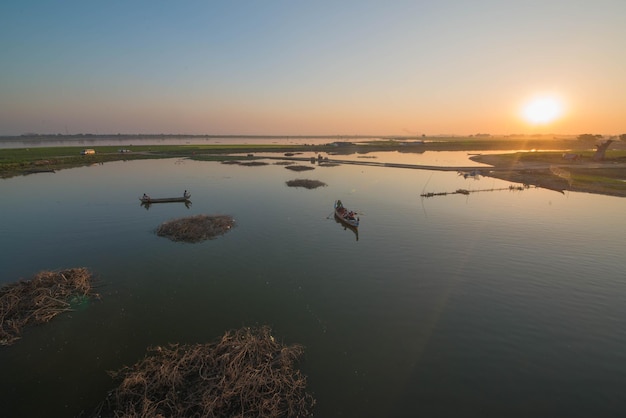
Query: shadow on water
[
  {"x": 148, "y": 204},
  {"x": 355, "y": 230}
]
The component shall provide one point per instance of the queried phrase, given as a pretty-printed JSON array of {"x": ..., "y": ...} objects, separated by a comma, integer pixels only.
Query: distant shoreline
[
  {"x": 544, "y": 169},
  {"x": 45, "y": 140}
]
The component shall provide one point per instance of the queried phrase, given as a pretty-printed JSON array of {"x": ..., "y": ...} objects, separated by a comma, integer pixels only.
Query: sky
[{"x": 445, "y": 67}]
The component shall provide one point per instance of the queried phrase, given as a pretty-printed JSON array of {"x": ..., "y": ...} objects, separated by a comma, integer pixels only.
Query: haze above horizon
[{"x": 282, "y": 68}]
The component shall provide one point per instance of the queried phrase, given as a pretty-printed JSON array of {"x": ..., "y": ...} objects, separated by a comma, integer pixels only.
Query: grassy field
[
  {"x": 14, "y": 162},
  {"x": 550, "y": 170}
]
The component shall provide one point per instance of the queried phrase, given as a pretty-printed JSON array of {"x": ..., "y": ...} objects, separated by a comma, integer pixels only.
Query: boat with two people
[
  {"x": 346, "y": 216},
  {"x": 149, "y": 200}
]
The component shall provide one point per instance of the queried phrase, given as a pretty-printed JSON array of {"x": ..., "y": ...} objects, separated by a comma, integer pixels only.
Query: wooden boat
[
  {"x": 147, "y": 199},
  {"x": 346, "y": 216}
]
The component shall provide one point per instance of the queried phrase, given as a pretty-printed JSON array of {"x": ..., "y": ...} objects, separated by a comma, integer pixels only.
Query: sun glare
[{"x": 542, "y": 110}]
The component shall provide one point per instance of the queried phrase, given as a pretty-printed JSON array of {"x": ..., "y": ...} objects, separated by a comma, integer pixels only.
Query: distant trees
[
  {"x": 592, "y": 137},
  {"x": 601, "y": 145},
  {"x": 589, "y": 137}
]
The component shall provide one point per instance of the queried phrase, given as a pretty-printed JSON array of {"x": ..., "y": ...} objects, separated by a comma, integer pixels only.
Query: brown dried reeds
[
  {"x": 306, "y": 183},
  {"x": 247, "y": 373},
  {"x": 196, "y": 228},
  {"x": 36, "y": 301},
  {"x": 299, "y": 167}
]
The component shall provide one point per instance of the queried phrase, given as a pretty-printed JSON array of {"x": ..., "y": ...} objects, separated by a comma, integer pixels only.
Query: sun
[{"x": 542, "y": 110}]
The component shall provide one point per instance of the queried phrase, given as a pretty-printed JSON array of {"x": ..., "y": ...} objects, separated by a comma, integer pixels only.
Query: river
[{"x": 496, "y": 303}]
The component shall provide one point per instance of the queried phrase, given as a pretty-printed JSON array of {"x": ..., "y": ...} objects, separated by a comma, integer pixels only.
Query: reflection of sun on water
[{"x": 542, "y": 110}]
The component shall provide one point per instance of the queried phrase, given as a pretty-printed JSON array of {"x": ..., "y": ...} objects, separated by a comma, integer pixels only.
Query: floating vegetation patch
[
  {"x": 254, "y": 163},
  {"x": 299, "y": 167},
  {"x": 38, "y": 300},
  {"x": 247, "y": 373},
  {"x": 245, "y": 163},
  {"x": 307, "y": 184},
  {"x": 196, "y": 228}
]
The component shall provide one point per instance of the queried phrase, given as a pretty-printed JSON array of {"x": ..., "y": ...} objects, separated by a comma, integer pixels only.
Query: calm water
[{"x": 493, "y": 304}]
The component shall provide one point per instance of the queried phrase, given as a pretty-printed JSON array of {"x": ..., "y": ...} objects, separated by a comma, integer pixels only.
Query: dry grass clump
[
  {"x": 299, "y": 167},
  {"x": 308, "y": 184},
  {"x": 35, "y": 301},
  {"x": 196, "y": 228},
  {"x": 247, "y": 373}
]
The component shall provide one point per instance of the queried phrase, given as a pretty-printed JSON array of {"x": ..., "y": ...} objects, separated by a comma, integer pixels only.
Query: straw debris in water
[
  {"x": 196, "y": 228},
  {"x": 36, "y": 301},
  {"x": 247, "y": 373},
  {"x": 306, "y": 183}
]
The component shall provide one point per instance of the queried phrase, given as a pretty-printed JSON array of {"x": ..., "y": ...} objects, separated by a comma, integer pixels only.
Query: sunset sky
[{"x": 313, "y": 68}]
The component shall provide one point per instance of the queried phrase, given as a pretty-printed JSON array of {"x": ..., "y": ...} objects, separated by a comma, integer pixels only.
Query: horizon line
[{"x": 385, "y": 136}]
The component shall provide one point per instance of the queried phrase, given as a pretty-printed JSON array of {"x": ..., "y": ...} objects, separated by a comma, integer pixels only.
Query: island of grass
[
  {"x": 305, "y": 183},
  {"x": 196, "y": 228},
  {"x": 245, "y": 373},
  {"x": 38, "y": 300},
  {"x": 299, "y": 167}
]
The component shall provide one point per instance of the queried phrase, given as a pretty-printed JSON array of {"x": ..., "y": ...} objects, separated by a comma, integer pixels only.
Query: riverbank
[
  {"x": 540, "y": 163},
  {"x": 551, "y": 171}
]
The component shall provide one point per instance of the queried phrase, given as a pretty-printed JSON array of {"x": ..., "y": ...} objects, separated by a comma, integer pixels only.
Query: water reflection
[
  {"x": 148, "y": 204},
  {"x": 345, "y": 226}
]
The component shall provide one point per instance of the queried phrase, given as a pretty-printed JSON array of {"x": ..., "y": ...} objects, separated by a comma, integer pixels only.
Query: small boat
[
  {"x": 346, "y": 216},
  {"x": 147, "y": 199}
]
